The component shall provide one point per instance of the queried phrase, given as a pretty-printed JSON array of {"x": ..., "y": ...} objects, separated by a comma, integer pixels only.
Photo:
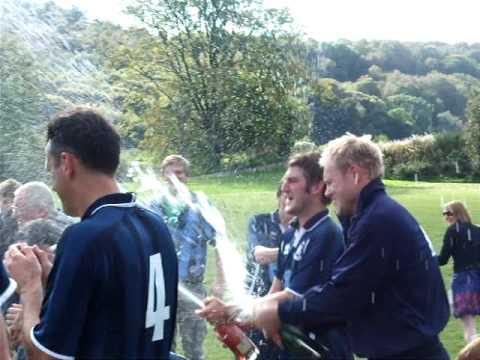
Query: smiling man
[
  {"x": 387, "y": 284},
  {"x": 308, "y": 252}
]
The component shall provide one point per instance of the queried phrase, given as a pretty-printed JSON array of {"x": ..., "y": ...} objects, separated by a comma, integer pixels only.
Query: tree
[
  {"x": 472, "y": 133},
  {"x": 348, "y": 64},
  {"x": 21, "y": 146},
  {"x": 214, "y": 77},
  {"x": 418, "y": 112}
]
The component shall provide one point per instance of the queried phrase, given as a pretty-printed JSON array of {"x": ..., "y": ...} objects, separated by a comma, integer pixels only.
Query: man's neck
[
  {"x": 310, "y": 212},
  {"x": 94, "y": 188},
  {"x": 363, "y": 183}
]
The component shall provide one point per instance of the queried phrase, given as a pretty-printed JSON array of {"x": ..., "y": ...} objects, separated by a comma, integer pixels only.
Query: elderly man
[
  {"x": 32, "y": 201},
  {"x": 38, "y": 220}
]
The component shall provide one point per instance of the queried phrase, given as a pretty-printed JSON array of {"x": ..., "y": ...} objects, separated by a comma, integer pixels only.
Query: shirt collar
[
  {"x": 368, "y": 193},
  {"x": 312, "y": 222},
  {"x": 116, "y": 199}
]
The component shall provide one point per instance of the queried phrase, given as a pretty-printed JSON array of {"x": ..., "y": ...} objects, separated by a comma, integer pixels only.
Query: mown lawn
[{"x": 240, "y": 196}]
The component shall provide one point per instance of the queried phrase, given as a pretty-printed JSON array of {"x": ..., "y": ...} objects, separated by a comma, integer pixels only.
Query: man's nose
[{"x": 328, "y": 191}]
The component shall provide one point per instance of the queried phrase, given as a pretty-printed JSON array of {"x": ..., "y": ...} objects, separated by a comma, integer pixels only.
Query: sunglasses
[{"x": 447, "y": 213}]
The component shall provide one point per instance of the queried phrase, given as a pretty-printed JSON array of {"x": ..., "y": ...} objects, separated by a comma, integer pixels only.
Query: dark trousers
[{"x": 429, "y": 350}]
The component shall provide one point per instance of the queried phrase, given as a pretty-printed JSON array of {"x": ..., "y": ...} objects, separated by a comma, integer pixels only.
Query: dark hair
[
  {"x": 279, "y": 191},
  {"x": 86, "y": 134},
  {"x": 311, "y": 168},
  {"x": 8, "y": 187}
]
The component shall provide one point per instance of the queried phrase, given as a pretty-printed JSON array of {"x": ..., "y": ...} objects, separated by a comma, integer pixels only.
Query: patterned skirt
[{"x": 466, "y": 293}]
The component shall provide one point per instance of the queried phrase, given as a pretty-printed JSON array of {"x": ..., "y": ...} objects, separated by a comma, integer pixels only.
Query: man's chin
[
  {"x": 342, "y": 211},
  {"x": 291, "y": 211}
]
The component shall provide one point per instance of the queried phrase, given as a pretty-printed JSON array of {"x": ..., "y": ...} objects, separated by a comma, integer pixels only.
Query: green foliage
[
  {"x": 440, "y": 156},
  {"x": 418, "y": 113},
  {"x": 227, "y": 83},
  {"x": 472, "y": 133},
  {"x": 212, "y": 79},
  {"x": 21, "y": 147}
]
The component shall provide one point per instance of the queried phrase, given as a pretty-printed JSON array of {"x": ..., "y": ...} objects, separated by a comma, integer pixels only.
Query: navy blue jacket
[
  {"x": 264, "y": 230},
  {"x": 387, "y": 284}
]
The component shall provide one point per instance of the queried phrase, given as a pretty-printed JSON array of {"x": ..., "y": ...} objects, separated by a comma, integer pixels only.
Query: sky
[{"x": 448, "y": 21}]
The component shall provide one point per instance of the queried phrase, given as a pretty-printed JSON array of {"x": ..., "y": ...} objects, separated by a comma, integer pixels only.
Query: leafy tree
[
  {"x": 348, "y": 64},
  {"x": 417, "y": 112},
  {"x": 21, "y": 147},
  {"x": 472, "y": 133},
  {"x": 221, "y": 76}
]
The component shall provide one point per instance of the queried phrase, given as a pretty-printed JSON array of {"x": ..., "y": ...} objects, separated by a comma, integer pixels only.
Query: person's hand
[
  {"x": 23, "y": 266},
  {"x": 263, "y": 255},
  {"x": 45, "y": 257},
  {"x": 265, "y": 317},
  {"x": 14, "y": 321},
  {"x": 215, "y": 311}
]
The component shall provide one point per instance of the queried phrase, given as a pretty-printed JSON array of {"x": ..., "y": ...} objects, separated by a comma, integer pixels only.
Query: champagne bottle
[
  {"x": 237, "y": 341},
  {"x": 298, "y": 344}
]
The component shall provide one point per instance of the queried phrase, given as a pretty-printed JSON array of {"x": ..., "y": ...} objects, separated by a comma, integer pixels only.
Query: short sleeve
[{"x": 69, "y": 292}]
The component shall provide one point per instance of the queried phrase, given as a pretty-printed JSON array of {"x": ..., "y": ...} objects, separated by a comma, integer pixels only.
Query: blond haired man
[{"x": 387, "y": 284}]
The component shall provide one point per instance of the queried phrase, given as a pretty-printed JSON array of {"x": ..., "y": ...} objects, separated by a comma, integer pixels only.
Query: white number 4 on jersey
[{"x": 157, "y": 312}]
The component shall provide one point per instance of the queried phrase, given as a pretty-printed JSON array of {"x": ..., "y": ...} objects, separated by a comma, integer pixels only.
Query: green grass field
[{"x": 239, "y": 197}]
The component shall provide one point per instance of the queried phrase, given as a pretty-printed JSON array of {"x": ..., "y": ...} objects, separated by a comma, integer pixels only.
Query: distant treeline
[{"x": 227, "y": 83}]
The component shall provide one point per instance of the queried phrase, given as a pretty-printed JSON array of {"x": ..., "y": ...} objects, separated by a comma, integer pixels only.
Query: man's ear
[
  {"x": 317, "y": 188},
  {"x": 359, "y": 174},
  {"x": 68, "y": 163}
]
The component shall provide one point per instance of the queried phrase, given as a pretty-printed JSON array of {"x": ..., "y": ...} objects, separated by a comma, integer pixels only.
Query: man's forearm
[
  {"x": 219, "y": 283},
  {"x": 32, "y": 304},
  {"x": 271, "y": 255},
  {"x": 4, "y": 348},
  {"x": 276, "y": 286}
]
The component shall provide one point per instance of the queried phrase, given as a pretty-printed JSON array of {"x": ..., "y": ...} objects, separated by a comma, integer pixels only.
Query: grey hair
[{"x": 38, "y": 194}]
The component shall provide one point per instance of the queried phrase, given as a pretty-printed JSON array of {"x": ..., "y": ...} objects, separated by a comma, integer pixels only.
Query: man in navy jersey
[
  {"x": 308, "y": 252},
  {"x": 112, "y": 290}
]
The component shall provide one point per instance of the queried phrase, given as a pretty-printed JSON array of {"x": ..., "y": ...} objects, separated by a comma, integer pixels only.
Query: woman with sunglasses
[{"x": 462, "y": 242}]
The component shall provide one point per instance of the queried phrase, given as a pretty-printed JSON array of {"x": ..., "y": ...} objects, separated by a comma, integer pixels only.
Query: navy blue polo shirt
[
  {"x": 307, "y": 253},
  {"x": 306, "y": 259},
  {"x": 387, "y": 283},
  {"x": 7, "y": 285},
  {"x": 112, "y": 292}
]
